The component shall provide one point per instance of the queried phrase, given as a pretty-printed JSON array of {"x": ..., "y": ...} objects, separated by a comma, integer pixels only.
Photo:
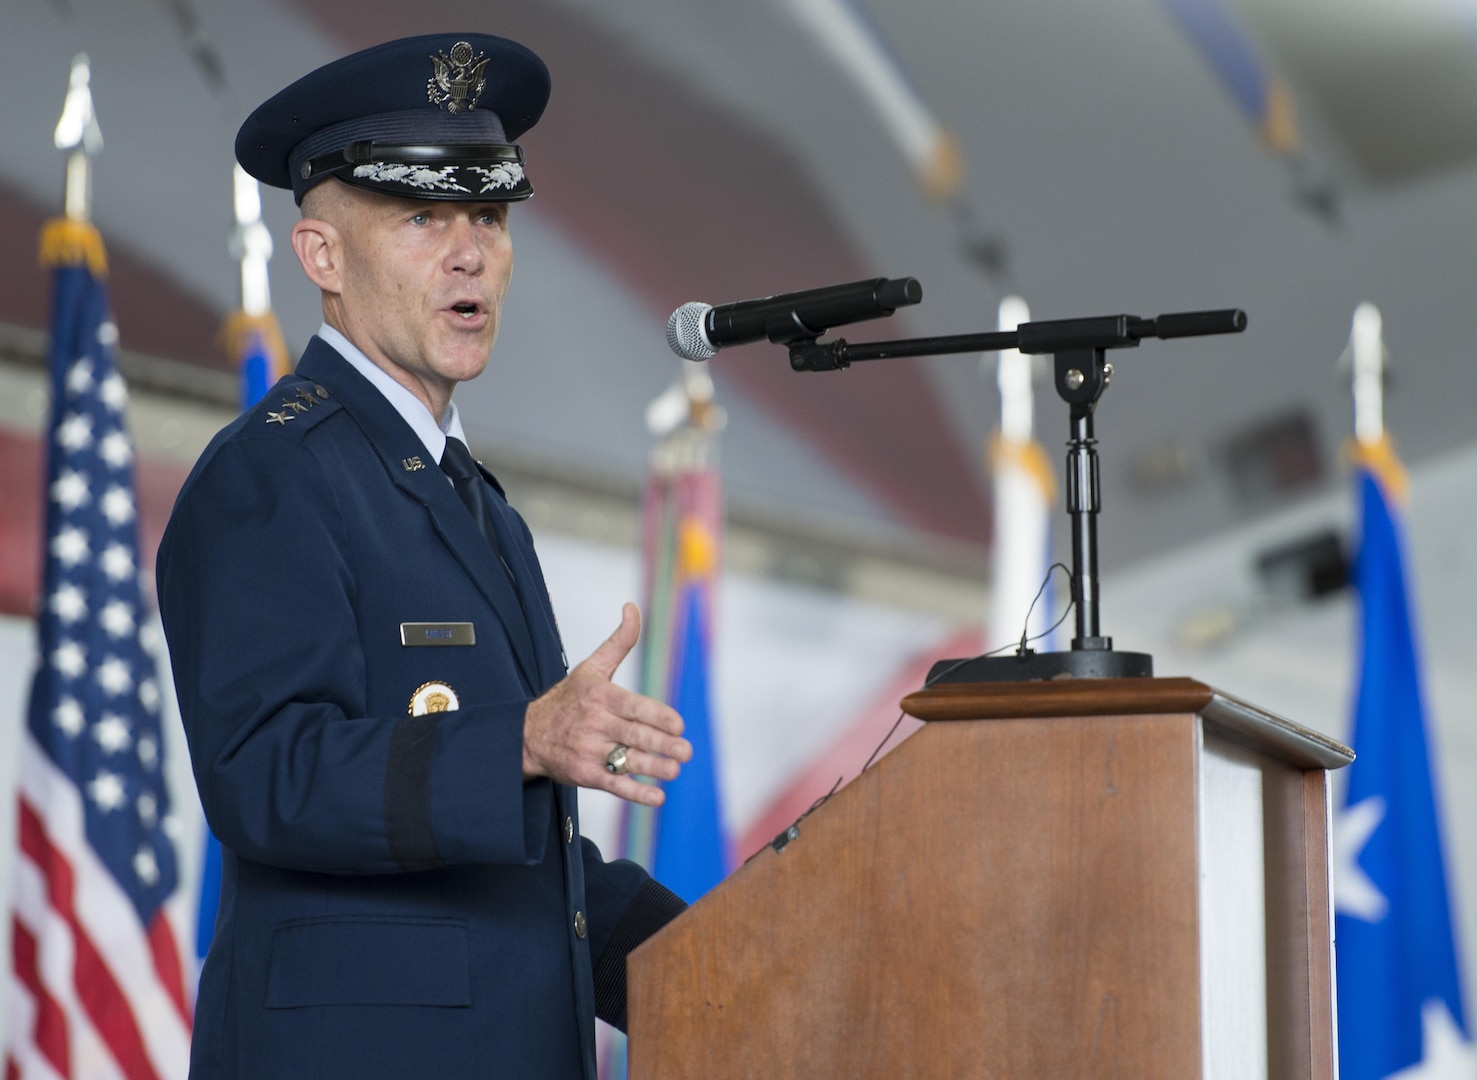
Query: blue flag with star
[{"x": 1400, "y": 1003}]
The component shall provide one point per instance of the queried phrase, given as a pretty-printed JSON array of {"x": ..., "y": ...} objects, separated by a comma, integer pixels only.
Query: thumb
[{"x": 605, "y": 659}]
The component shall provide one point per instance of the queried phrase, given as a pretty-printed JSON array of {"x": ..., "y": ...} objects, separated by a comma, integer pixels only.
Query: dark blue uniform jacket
[{"x": 396, "y": 900}]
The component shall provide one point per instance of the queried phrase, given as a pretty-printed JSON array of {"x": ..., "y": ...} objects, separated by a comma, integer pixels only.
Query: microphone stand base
[{"x": 1030, "y": 666}]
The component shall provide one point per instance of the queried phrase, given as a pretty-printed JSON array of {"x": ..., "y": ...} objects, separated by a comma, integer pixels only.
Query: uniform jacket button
[
  {"x": 579, "y": 925},
  {"x": 569, "y": 830}
]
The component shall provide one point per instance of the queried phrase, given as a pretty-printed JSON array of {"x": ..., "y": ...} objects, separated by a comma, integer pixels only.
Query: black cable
[{"x": 779, "y": 842}]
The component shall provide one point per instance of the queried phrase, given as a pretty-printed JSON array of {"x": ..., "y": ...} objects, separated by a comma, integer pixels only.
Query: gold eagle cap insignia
[{"x": 457, "y": 78}]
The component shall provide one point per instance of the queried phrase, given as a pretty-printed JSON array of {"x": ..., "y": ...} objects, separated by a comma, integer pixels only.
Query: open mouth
[{"x": 467, "y": 310}]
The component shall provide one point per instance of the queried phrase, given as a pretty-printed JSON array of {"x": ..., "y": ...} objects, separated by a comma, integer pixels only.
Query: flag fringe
[
  {"x": 67, "y": 242},
  {"x": 239, "y": 329},
  {"x": 1380, "y": 459},
  {"x": 1030, "y": 457}
]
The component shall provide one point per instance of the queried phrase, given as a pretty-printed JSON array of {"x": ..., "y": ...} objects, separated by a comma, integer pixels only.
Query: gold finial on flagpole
[{"x": 77, "y": 132}]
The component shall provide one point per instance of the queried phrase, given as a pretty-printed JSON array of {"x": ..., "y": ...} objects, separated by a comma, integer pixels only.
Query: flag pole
[
  {"x": 71, "y": 240},
  {"x": 251, "y": 334},
  {"x": 78, "y": 133},
  {"x": 1024, "y": 488},
  {"x": 1367, "y": 345}
]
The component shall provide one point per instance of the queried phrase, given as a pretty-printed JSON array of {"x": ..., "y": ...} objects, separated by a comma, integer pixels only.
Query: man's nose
[{"x": 463, "y": 247}]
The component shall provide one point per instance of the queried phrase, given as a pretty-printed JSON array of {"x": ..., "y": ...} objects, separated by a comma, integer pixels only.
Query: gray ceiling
[{"x": 1099, "y": 144}]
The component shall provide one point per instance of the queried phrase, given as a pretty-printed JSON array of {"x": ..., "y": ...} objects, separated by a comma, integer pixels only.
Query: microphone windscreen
[{"x": 685, "y": 332}]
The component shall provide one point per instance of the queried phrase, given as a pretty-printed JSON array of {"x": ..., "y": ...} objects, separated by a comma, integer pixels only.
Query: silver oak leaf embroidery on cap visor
[
  {"x": 442, "y": 179},
  {"x": 499, "y": 176}
]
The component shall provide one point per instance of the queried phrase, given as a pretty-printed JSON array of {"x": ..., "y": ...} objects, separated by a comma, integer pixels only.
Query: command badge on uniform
[{"x": 433, "y": 697}]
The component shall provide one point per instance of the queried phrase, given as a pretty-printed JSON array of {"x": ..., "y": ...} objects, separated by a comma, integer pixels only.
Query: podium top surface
[{"x": 1240, "y": 720}]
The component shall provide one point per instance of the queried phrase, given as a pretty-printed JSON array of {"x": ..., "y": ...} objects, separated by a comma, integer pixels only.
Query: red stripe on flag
[
  {"x": 102, "y": 998},
  {"x": 50, "y": 1032},
  {"x": 12, "y": 1070},
  {"x": 844, "y": 757},
  {"x": 167, "y": 963}
]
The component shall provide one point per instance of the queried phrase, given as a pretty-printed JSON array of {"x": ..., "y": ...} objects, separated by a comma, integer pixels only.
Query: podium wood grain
[{"x": 990, "y": 900}]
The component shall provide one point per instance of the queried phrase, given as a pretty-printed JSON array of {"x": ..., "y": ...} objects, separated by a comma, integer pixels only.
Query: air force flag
[{"x": 1399, "y": 990}]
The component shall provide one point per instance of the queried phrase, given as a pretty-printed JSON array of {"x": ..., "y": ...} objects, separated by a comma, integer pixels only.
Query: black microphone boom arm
[
  {"x": 1058, "y": 335},
  {"x": 1079, "y": 348}
]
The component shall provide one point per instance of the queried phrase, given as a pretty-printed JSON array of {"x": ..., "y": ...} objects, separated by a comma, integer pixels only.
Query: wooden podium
[{"x": 1081, "y": 878}]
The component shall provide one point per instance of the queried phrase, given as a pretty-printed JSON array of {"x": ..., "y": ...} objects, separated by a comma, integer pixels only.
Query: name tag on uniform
[{"x": 437, "y": 633}]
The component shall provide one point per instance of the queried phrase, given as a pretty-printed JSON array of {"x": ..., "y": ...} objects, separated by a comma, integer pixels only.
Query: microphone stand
[{"x": 1079, "y": 348}]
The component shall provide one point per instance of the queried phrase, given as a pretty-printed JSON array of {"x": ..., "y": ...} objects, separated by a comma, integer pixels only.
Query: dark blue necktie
[{"x": 472, "y": 489}]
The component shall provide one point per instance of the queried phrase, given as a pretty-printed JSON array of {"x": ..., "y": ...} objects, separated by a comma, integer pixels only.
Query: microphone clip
[{"x": 810, "y": 355}]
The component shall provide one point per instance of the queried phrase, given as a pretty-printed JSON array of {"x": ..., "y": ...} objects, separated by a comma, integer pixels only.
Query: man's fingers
[
  {"x": 649, "y": 739},
  {"x": 608, "y": 656},
  {"x": 656, "y": 766},
  {"x": 634, "y": 790},
  {"x": 645, "y": 710}
]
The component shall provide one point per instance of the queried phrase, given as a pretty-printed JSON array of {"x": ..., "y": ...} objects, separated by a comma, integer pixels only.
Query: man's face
[{"x": 420, "y": 284}]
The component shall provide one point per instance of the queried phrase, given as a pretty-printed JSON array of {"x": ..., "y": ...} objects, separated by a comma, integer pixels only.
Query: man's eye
[{"x": 420, "y": 219}]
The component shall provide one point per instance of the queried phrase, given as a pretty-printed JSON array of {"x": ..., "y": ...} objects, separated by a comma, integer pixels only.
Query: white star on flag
[
  {"x": 70, "y": 490},
  {"x": 117, "y": 562},
  {"x": 148, "y": 809},
  {"x": 70, "y": 659},
  {"x": 113, "y": 676},
  {"x": 148, "y": 751},
  {"x": 69, "y": 603},
  {"x": 114, "y": 392},
  {"x": 1353, "y": 892},
  {"x": 1445, "y": 1052},
  {"x": 75, "y": 432},
  {"x": 79, "y": 378},
  {"x": 117, "y": 619},
  {"x": 68, "y": 716},
  {"x": 107, "y": 791},
  {"x": 111, "y": 733},
  {"x": 117, "y": 506},
  {"x": 70, "y": 546},
  {"x": 148, "y": 695},
  {"x": 115, "y": 450},
  {"x": 146, "y": 866}
]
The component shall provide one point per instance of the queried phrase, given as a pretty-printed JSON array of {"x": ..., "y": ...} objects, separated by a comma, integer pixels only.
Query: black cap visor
[{"x": 466, "y": 172}]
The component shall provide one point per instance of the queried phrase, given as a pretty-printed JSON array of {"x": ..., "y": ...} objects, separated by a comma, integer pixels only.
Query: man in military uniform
[{"x": 382, "y": 728}]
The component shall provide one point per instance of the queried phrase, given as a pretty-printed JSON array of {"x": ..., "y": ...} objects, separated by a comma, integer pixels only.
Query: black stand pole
[{"x": 1082, "y": 374}]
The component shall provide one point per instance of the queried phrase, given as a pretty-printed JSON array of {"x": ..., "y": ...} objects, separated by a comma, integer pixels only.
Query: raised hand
[{"x": 569, "y": 731}]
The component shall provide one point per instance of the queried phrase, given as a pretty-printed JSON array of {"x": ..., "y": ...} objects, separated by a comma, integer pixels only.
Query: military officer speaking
[{"x": 381, "y": 725}]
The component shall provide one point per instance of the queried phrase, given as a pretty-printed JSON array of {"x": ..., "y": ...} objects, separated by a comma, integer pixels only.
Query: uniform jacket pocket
[{"x": 369, "y": 960}]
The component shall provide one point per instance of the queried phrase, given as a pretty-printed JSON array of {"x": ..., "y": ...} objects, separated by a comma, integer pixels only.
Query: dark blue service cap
[{"x": 429, "y": 117}]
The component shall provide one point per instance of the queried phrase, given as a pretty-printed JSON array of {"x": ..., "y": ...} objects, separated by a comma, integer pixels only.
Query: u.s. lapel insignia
[
  {"x": 433, "y": 697},
  {"x": 413, "y": 464},
  {"x": 280, "y": 418},
  {"x": 457, "y": 80}
]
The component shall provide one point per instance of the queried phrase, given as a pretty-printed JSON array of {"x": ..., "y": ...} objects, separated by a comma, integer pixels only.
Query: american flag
[{"x": 97, "y": 988}]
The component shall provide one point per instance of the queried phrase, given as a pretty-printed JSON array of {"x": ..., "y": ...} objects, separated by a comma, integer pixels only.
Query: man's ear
[{"x": 319, "y": 249}]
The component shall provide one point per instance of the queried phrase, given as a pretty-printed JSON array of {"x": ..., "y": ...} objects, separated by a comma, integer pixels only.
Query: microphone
[{"x": 697, "y": 331}]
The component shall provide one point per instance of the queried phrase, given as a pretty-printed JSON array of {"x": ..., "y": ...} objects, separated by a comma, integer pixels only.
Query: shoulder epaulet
[{"x": 294, "y": 403}]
